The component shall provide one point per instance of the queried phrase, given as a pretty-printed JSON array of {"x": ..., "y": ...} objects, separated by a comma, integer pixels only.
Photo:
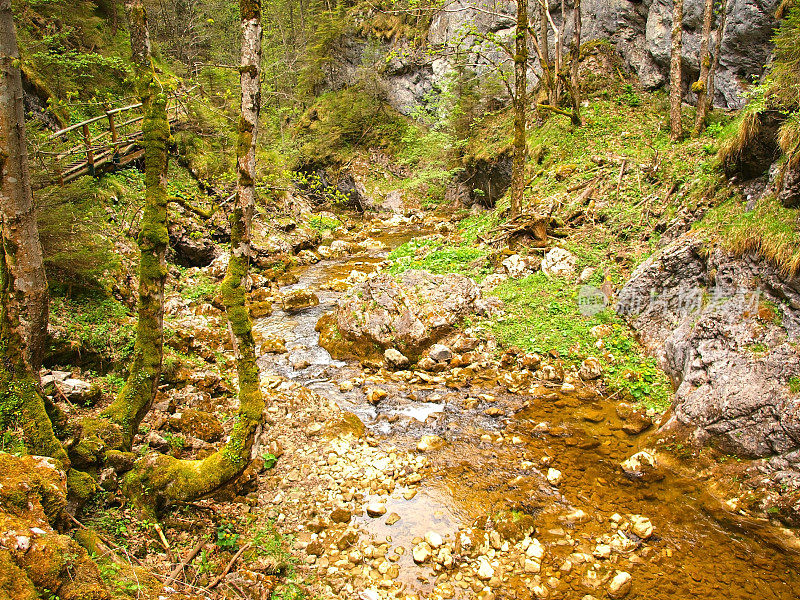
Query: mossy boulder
[
  {"x": 197, "y": 423},
  {"x": 34, "y": 558}
]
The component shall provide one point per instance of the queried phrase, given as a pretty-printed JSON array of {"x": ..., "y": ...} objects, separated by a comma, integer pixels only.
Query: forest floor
[{"x": 470, "y": 478}]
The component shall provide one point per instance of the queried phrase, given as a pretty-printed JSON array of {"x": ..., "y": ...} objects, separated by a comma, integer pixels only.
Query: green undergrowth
[
  {"x": 769, "y": 230},
  {"x": 92, "y": 328},
  {"x": 543, "y": 315},
  {"x": 436, "y": 256}
]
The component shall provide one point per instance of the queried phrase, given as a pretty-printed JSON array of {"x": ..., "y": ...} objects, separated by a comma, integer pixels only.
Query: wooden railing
[{"x": 103, "y": 143}]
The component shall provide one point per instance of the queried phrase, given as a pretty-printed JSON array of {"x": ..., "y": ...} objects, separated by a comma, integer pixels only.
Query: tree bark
[
  {"x": 160, "y": 480},
  {"x": 136, "y": 397},
  {"x": 27, "y": 295},
  {"x": 23, "y": 286},
  {"x": 544, "y": 45},
  {"x": 575, "y": 82},
  {"x": 723, "y": 15},
  {"x": 520, "y": 107},
  {"x": 675, "y": 72},
  {"x": 701, "y": 85}
]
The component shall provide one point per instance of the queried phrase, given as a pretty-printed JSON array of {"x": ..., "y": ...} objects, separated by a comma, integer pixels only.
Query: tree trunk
[
  {"x": 27, "y": 296},
  {"x": 701, "y": 85},
  {"x": 723, "y": 15},
  {"x": 575, "y": 82},
  {"x": 675, "y": 72},
  {"x": 23, "y": 287},
  {"x": 140, "y": 388},
  {"x": 544, "y": 45},
  {"x": 160, "y": 480},
  {"x": 520, "y": 106}
]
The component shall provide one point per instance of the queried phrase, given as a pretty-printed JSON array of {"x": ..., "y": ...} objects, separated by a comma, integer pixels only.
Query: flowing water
[{"x": 701, "y": 549}]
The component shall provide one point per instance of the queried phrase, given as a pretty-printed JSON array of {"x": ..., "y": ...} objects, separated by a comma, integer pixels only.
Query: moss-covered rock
[{"x": 34, "y": 558}]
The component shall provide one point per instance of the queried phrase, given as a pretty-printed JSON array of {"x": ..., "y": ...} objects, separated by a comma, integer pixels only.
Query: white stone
[
  {"x": 641, "y": 526},
  {"x": 421, "y": 553},
  {"x": 485, "y": 570},
  {"x": 559, "y": 263},
  {"x": 433, "y": 539},
  {"x": 553, "y": 476},
  {"x": 620, "y": 585}
]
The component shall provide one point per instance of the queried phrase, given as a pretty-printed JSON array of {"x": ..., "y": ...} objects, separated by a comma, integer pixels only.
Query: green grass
[
  {"x": 438, "y": 257},
  {"x": 794, "y": 385},
  {"x": 543, "y": 315},
  {"x": 769, "y": 230}
]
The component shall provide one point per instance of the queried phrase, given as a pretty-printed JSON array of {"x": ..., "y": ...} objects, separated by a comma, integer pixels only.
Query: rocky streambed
[{"x": 439, "y": 482}]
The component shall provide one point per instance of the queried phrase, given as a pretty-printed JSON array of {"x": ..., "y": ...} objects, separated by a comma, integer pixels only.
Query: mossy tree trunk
[
  {"x": 160, "y": 480},
  {"x": 675, "y": 72},
  {"x": 520, "y": 107},
  {"x": 23, "y": 286},
  {"x": 27, "y": 295},
  {"x": 136, "y": 397},
  {"x": 700, "y": 87}
]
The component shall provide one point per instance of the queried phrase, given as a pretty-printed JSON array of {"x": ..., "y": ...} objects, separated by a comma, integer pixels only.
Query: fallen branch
[
  {"x": 178, "y": 570},
  {"x": 227, "y": 568},
  {"x": 558, "y": 111},
  {"x": 203, "y": 214}
]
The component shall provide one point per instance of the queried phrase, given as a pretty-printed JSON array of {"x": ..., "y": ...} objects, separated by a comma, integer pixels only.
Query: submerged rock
[{"x": 299, "y": 299}]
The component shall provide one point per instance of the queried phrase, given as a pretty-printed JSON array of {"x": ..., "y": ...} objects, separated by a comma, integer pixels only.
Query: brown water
[{"x": 701, "y": 549}]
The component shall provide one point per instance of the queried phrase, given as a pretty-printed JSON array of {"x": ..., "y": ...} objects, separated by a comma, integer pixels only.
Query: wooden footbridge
[{"x": 103, "y": 143}]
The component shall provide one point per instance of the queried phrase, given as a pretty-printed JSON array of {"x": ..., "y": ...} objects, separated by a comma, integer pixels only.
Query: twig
[
  {"x": 163, "y": 539},
  {"x": 186, "y": 560},
  {"x": 106, "y": 541},
  {"x": 227, "y": 568},
  {"x": 621, "y": 174}
]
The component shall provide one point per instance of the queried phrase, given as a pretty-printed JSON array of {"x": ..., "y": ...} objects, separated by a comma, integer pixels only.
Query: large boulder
[
  {"x": 408, "y": 313},
  {"x": 723, "y": 328}
]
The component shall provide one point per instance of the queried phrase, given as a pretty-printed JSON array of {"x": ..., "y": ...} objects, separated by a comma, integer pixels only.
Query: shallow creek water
[{"x": 700, "y": 550}]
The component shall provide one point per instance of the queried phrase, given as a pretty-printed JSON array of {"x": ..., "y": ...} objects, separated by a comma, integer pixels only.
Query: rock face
[
  {"x": 639, "y": 31},
  {"x": 723, "y": 328},
  {"x": 408, "y": 314}
]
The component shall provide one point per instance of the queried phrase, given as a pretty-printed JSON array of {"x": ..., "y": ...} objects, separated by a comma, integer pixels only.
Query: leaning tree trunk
[
  {"x": 140, "y": 388},
  {"x": 25, "y": 264},
  {"x": 23, "y": 287},
  {"x": 520, "y": 106},
  {"x": 675, "y": 72},
  {"x": 701, "y": 85},
  {"x": 717, "y": 51},
  {"x": 544, "y": 47},
  {"x": 575, "y": 81},
  {"x": 160, "y": 480}
]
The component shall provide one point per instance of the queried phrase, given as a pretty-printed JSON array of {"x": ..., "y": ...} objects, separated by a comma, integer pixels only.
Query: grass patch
[
  {"x": 769, "y": 230},
  {"x": 543, "y": 315},
  {"x": 431, "y": 254},
  {"x": 95, "y": 324}
]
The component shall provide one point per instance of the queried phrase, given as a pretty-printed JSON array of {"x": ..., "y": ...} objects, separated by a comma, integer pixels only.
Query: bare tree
[
  {"x": 159, "y": 479},
  {"x": 705, "y": 85},
  {"x": 27, "y": 294},
  {"x": 520, "y": 101},
  {"x": 675, "y": 72},
  {"x": 136, "y": 397}
]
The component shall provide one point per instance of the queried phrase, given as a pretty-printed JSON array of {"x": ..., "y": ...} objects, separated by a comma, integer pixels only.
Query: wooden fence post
[
  {"x": 114, "y": 137},
  {"x": 87, "y": 139}
]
